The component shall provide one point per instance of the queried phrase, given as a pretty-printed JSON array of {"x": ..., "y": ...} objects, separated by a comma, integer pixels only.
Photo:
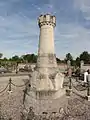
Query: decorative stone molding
[
  {"x": 47, "y": 20},
  {"x": 41, "y": 76}
]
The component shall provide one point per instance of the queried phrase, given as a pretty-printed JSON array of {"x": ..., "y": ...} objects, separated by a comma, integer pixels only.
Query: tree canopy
[
  {"x": 85, "y": 56},
  {"x": 77, "y": 61},
  {"x": 29, "y": 58},
  {"x": 69, "y": 57},
  {"x": 1, "y": 55},
  {"x": 32, "y": 58}
]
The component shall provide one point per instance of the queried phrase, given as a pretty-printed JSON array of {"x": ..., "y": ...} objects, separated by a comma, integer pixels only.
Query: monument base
[
  {"x": 43, "y": 100},
  {"x": 49, "y": 94},
  {"x": 47, "y": 82},
  {"x": 46, "y": 87}
]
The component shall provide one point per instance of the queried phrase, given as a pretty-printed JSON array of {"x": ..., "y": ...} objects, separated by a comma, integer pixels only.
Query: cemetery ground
[{"x": 73, "y": 107}]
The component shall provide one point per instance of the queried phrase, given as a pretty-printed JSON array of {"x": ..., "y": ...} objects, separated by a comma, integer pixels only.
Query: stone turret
[
  {"x": 46, "y": 52},
  {"x": 47, "y": 20}
]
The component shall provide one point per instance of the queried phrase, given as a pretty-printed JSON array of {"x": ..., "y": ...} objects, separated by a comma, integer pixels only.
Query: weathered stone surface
[{"x": 46, "y": 76}]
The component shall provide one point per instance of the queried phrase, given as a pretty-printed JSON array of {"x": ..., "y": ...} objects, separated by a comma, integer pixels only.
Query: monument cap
[{"x": 47, "y": 19}]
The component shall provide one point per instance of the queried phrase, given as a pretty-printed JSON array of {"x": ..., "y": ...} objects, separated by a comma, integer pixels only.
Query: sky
[{"x": 19, "y": 31}]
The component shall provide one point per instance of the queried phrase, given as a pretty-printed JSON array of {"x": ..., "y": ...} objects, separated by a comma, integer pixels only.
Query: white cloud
[
  {"x": 18, "y": 34},
  {"x": 71, "y": 38},
  {"x": 84, "y": 6}
]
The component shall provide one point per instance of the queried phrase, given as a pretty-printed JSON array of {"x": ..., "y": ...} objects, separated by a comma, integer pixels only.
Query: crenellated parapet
[{"x": 47, "y": 20}]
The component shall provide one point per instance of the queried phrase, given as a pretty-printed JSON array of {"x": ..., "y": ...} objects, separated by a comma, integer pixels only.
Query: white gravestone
[{"x": 85, "y": 76}]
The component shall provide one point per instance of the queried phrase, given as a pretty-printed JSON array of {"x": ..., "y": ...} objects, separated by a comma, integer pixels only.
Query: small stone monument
[{"x": 88, "y": 89}]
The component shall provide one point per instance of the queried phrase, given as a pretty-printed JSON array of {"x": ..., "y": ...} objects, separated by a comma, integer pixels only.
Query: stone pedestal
[{"x": 44, "y": 100}]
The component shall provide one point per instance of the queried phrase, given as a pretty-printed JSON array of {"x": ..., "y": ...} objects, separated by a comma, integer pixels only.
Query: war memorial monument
[{"x": 46, "y": 80}]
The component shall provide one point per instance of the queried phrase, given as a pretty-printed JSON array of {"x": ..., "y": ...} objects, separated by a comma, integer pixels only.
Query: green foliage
[
  {"x": 70, "y": 58},
  {"x": 85, "y": 56},
  {"x": 77, "y": 61},
  {"x": 58, "y": 60},
  {"x": 15, "y": 58},
  {"x": 1, "y": 55},
  {"x": 5, "y": 59},
  {"x": 31, "y": 58}
]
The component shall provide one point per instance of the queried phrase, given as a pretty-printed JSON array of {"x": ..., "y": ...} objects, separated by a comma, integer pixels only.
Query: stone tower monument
[
  {"x": 46, "y": 80},
  {"x": 46, "y": 76},
  {"x": 46, "y": 56}
]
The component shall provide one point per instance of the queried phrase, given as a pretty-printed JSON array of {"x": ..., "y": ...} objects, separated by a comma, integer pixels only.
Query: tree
[
  {"x": 5, "y": 59},
  {"x": 0, "y": 58},
  {"x": 77, "y": 61},
  {"x": 69, "y": 57},
  {"x": 29, "y": 58},
  {"x": 1, "y": 55},
  {"x": 33, "y": 58},
  {"x": 15, "y": 58},
  {"x": 85, "y": 56},
  {"x": 58, "y": 60}
]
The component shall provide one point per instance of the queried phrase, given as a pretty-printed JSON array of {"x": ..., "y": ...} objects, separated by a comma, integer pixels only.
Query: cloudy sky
[{"x": 19, "y": 31}]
